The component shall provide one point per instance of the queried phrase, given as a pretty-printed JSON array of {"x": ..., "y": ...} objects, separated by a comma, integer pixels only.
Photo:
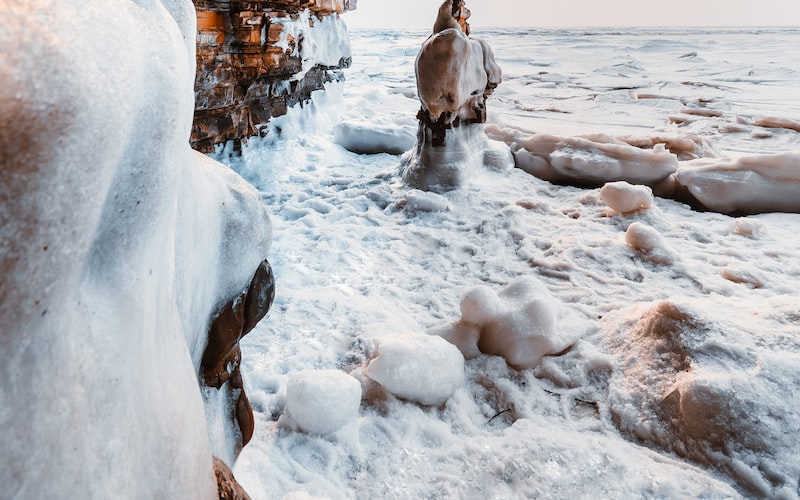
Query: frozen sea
[{"x": 680, "y": 379}]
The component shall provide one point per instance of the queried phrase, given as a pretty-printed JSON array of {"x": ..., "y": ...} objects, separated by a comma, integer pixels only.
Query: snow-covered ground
[{"x": 682, "y": 328}]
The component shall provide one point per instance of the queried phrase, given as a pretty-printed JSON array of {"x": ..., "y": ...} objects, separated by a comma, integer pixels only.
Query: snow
[
  {"x": 118, "y": 245},
  {"x": 369, "y": 138},
  {"x": 365, "y": 257},
  {"x": 419, "y": 368},
  {"x": 321, "y": 401}
]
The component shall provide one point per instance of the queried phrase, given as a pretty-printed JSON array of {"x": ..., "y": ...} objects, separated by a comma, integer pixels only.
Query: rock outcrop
[
  {"x": 255, "y": 59},
  {"x": 119, "y": 246}
]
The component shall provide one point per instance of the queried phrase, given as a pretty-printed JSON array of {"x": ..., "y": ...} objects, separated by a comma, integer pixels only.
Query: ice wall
[{"x": 118, "y": 244}]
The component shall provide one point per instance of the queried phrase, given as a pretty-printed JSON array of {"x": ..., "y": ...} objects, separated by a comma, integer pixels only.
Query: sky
[{"x": 422, "y": 13}]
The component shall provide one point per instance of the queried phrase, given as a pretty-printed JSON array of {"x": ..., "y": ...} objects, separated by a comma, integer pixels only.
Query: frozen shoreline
[{"x": 358, "y": 256}]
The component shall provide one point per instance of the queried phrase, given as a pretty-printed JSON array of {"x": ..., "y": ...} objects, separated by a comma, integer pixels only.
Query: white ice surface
[
  {"x": 355, "y": 264},
  {"x": 117, "y": 244}
]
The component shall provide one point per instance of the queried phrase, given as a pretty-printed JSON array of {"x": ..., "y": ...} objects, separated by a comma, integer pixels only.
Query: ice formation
[
  {"x": 523, "y": 323},
  {"x": 749, "y": 184},
  {"x": 370, "y": 138},
  {"x": 119, "y": 244},
  {"x": 713, "y": 380},
  {"x": 321, "y": 401},
  {"x": 623, "y": 197},
  {"x": 455, "y": 74},
  {"x": 419, "y": 368}
]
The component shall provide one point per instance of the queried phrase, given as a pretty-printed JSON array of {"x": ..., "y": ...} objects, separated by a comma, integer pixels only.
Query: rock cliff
[{"x": 255, "y": 59}]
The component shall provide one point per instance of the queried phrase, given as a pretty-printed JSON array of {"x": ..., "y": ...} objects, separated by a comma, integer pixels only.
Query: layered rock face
[{"x": 255, "y": 59}]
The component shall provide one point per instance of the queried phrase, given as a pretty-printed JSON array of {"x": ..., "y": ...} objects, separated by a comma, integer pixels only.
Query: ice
[
  {"x": 321, "y": 401},
  {"x": 467, "y": 152},
  {"x": 623, "y": 197},
  {"x": 455, "y": 73},
  {"x": 419, "y": 368},
  {"x": 368, "y": 138},
  {"x": 650, "y": 243},
  {"x": 316, "y": 41},
  {"x": 748, "y": 184},
  {"x": 119, "y": 243},
  {"x": 357, "y": 262},
  {"x": 521, "y": 324},
  {"x": 711, "y": 379}
]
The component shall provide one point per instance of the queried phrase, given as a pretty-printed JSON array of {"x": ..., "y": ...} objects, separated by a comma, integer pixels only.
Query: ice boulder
[
  {"x": 321, "y": 401},
  {"x": 623, "y": 197},
  {"x": 523, "y": 323},
  {"x": 372, "y": 138},
  {"x": 420, "y": 368},
  {"x": 750, "y": 184}
]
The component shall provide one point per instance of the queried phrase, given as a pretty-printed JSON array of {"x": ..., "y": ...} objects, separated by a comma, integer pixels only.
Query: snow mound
[
  {"x": 714, "y": 380},
  {"x": 751, "y": 184},
  {"x": 523, "y": 323},
  {"x": 371, "y": 138},
  {"x": 421, "y": 368},
  {"x": 321, "y": 401},
  {"x": 623, "y": 197}
]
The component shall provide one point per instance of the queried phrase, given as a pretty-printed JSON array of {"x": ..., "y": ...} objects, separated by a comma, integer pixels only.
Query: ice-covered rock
[
  {"x": 321, "y": 401},
  {"x": 587, "y": 160},
  {"x": 523, "y": 323},
  {"x": 118, "y": 246},
  {"x": 623, "y": 197},
  {"x": 455, "y": 74},
  {"x": 420, "y": 368},
  {"x": 713, "y": 380},
  {"x": 750, "y": 184}
]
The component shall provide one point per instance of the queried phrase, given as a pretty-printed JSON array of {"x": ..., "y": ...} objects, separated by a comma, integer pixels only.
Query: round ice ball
[
  {"x": 479, "y": 305},
  {"x": 623, "y": 197},
  {"x": 322, "y": 401},
  {"x": 426, "y": 369}
]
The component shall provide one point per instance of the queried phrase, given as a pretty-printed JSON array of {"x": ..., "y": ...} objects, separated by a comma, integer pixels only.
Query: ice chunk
[
  {"x": 371, "y": 138},
  {"x": 421, "y": 368},
  {"x": 321, "y": 401},
  {"x": 592, "y": 159},
  {"x": 623, "y": 197},
  {"x": 650, "y": 243},
  {"x": 522, "y": 324},
  {"x": 422, "y": 201},
  {"x": 752, "y": 184}
]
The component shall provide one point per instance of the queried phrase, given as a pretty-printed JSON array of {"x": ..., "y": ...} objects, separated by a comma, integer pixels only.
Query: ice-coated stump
[
  {"x": 455, "y": 74},
  {"x": 118, "y": 247}
]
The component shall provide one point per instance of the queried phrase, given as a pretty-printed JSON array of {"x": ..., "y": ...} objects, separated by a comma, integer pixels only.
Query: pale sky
[{"x": 422, "y": 13}]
